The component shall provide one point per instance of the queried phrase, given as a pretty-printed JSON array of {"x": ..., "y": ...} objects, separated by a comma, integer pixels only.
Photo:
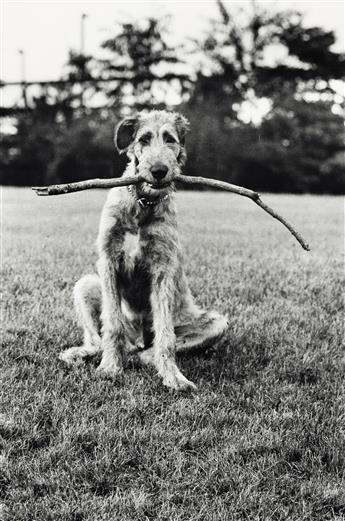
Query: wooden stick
[
  {"x": 86, "y": 185},
  {"x": 189, "y": 180}
]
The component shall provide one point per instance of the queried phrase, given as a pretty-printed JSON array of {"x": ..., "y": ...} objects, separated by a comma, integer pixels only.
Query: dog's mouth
[
  {"x": 154, "y": 190},
  {"x": 158, "y": 186}
]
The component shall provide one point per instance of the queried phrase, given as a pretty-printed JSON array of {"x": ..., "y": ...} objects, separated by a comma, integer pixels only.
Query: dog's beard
[{"x": 154, "y": 191}]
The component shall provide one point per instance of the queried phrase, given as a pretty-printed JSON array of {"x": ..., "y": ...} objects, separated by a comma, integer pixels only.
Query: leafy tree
[
  {"x": 297, "y": 149},
  {"x": 239, "y": 54},
  {"x": 142, "y": 66},
  {"x": 32, "y": 152},
  {"x": 85, "y": 150},
  {"x": 82, "y": 86},
  {"x": 79, "y": 67},
  {"x": 214, "y": 149},
  {"x": 26, "y": 153},
  {"x": 298, "y": 146}
]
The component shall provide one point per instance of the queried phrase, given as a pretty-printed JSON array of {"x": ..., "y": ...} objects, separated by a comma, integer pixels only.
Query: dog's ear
[
  {"x": 182, "y": 127},
  {"x": 125, "y": 133}
]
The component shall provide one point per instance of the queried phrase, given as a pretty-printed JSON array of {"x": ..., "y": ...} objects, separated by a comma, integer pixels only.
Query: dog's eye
[
  {"x": 169, "y": 139},
  {"x": 145, "y": 139}
]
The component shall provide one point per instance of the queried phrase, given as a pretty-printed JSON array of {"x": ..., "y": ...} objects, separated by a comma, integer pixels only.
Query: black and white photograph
[{"x": 172, "y": 260}]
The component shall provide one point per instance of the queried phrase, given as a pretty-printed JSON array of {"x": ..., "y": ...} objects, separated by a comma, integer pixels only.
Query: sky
[{"x": 46, "y": 30}]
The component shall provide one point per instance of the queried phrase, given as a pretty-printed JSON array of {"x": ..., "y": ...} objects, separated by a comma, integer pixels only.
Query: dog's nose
[{"x": 159, "y": 171}]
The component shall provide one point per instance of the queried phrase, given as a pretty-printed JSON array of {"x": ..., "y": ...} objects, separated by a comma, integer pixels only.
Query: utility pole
[
  {"x": 23, "y": 75},
  {"x": 82, "y": 53},
  {"x": 82, "y": 33}
]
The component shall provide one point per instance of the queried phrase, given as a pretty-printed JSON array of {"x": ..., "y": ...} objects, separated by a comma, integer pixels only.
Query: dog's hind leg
[
  {"x": 195, "y": 330},
  {"x": 87, "y": 300}
]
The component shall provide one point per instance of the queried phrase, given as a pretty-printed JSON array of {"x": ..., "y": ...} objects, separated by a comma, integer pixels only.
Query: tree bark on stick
[
  {"x": 189, "y": 180},
  {"x": 87, "y": 185}
]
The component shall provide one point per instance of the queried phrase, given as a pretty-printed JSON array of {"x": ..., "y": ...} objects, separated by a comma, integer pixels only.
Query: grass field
[{"x": 262, "y": 439}]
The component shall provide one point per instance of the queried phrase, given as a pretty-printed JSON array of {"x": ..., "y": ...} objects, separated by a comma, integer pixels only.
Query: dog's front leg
[
  {"x": 113, "y": 331},
  {"x": 162, "y": 304}
]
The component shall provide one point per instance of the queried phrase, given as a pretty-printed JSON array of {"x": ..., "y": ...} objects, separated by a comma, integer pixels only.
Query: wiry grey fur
[{"x": 141, "y": 294}]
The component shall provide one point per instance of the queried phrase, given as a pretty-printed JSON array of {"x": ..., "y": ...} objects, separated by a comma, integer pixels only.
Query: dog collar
[{"x": 145, "y": 203}]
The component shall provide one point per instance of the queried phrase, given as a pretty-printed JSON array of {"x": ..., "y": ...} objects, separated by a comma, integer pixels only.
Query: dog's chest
[
  {"x": 132, "y": 250},
  {"x": 134, "y": 277}
]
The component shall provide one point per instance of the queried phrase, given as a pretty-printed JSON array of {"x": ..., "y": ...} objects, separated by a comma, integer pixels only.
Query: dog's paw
[
  {"x": 147, "y": 357},
  {"x": 175, "y": 380},
  {"x": 70, "y": 356},
  {"x": 109, "y": 370}
]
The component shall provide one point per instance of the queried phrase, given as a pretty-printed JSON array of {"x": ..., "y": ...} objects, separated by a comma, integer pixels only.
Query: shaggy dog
[{"x": 140, "y": 298}]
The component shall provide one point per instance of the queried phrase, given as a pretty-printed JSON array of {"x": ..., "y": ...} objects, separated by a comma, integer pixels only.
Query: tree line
[{"x": 257, "y": 63}]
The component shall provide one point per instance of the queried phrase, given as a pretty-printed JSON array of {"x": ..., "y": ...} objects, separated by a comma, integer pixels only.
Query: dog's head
[{"x": 155, "y": 142}]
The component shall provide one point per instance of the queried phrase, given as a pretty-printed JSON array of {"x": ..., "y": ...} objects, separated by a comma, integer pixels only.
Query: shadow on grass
[{"x": 230, "y": 359}]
